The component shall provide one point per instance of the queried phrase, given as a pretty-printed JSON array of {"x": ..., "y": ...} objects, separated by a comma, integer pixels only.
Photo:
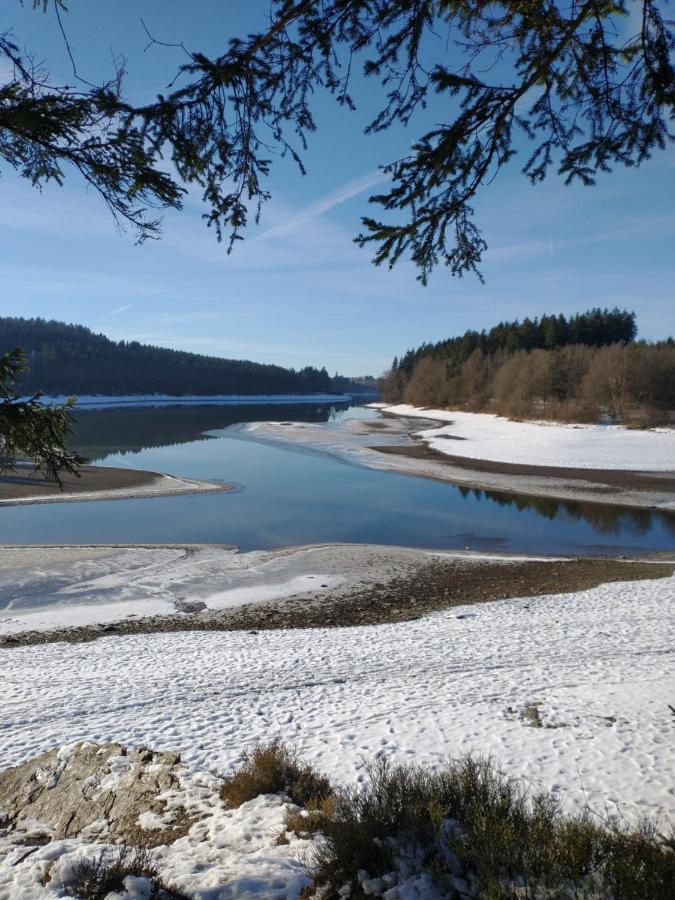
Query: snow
[
  {"x": 97, "y": 401},
  {"x": 489, "y": 437},
  {"x": 597, "y": 665},
  {"x": 56, "y": 587},
  {"x": 227, "y": 854}
]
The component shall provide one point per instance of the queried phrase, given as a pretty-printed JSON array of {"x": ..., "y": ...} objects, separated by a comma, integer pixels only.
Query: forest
[
  {"x": 583, "y": 368},
  {"x": 72, "y": 359}
]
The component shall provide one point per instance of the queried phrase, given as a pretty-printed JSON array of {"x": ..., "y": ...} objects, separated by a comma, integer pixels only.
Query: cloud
[
  {"x": 346, "y": 191},
  {"x": 122, "y": 309}
]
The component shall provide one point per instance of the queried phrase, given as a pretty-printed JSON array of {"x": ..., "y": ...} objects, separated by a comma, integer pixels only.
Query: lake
[{"x": 287, "y": 496}]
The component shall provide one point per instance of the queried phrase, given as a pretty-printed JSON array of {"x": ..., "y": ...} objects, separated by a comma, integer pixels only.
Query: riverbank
[
  {"x": 78, "y": 594},
  {"x": 595, "y": 464},
  {"x": 24, "y": 486}
]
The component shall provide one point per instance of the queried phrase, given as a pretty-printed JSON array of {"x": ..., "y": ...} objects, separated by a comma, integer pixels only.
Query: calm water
[{"x": 290, "y": 496}]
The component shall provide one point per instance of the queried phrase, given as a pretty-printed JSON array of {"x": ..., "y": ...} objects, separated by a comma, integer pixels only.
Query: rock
[
  {"x": 99, "y": 787},
  {"x": 189, "y": 606},
  {"x": 532, "y": 717}
]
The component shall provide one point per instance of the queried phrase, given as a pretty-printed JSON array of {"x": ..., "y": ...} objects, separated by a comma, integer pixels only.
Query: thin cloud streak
[
  {"x": 122, "y": 309},
  {"x": 342, "y": 194}
]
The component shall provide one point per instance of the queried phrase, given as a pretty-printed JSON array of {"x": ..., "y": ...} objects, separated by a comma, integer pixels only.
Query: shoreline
[
  {"x": 24, "y": 487},
  {"x": 398, "y": 442},
  {"x": 646, "y": 490},
  {"x": 570, "y": 691},
  {"x": 114, "y": 589},
  {"x": 393, "y": 443}
]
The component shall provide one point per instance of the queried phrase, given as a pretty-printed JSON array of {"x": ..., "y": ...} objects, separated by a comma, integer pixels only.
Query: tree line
[
  {"x": 574, "y": 369},
  {"x": 72, "y": 359}
]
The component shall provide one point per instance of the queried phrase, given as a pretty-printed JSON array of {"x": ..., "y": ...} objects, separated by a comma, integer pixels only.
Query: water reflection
[
  {"x": 102, "y": 432},
  {"x": 294, "y": 498},
  {"x": 603, "y": 518}
]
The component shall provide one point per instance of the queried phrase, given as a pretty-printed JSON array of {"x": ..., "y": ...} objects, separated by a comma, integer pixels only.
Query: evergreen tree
[
  {"x": 30, "y": 429},
  {"x": 585, "y": 97}
]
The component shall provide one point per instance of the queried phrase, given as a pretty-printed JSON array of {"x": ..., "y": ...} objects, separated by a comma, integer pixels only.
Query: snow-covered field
[
  {"x": 598, "y": 665},
  {"x": 489, "y": 437}
]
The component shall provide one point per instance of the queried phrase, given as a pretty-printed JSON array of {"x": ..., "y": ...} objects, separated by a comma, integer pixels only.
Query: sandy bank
[
  {"x": 96, "y": 483},
  {"x": 82, "y": 593}
]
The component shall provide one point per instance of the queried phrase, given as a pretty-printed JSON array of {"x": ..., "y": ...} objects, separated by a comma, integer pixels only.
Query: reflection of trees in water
[
  {"x": 603, "y": 518},
  {"x": 102, "y": 432}
]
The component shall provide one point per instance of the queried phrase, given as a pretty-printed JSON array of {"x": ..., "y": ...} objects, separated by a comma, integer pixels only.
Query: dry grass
[
  {"x": 274, "y": 768},
  {"x": 104, "y": 874},
  {"x": 311, "y": 820}
]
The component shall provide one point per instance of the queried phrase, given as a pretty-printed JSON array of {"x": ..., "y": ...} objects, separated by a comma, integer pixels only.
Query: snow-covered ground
[
  {"x": 97, "y": 401},
  {"x": 42, "y": 588},
  {"x": 227, "y": 854},
  {"x": 489, "y": 437},
  {"x": 598, "y": 665}
]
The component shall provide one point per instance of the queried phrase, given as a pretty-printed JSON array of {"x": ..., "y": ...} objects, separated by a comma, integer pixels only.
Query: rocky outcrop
[{"x": 102, "y": 791}]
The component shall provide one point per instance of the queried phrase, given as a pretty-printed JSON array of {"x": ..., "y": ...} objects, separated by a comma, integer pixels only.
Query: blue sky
[{"x": 298, "y": 291}]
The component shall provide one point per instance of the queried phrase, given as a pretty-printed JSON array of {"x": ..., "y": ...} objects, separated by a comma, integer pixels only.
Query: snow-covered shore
[
  {"x": 598, "y": 464},
  {"x": 598, "y": 666},
  {"x": 485, "y": 436},
  {"x": 55, "y": 587},
  {"x": 59, "y": 587}
]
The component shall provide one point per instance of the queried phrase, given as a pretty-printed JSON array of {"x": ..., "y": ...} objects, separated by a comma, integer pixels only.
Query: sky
[{"x": 298, "y": 291}]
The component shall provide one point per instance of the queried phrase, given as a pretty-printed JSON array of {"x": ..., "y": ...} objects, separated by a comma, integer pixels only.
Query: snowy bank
[
  {"x": 597, "y": 665},
  {"x": 484, "y": 436},
  {"x": 563, "y": 462},
  {"x": 70, "y": 806}
]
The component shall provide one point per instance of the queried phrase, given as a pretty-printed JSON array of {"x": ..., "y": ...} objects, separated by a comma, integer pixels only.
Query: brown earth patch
[
  {"x": 613, "y": 479},
  {"x": 25, "y": 484}
]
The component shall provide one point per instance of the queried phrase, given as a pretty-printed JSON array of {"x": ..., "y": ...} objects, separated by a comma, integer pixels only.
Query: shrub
[
  {"x": 101, "y": 875},
  {"x": 273, "y": 768},
  {"x": 311, "y": 820},
  {"x": 473, "y": 829}
]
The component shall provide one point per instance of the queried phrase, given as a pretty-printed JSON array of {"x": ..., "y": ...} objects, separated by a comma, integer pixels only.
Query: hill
[
  {"x": 72, "y": 359},
  {"x": 578, "y": 369}
]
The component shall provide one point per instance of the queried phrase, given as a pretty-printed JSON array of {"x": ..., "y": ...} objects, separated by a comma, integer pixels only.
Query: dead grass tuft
[
  {"x": 97, "y": 877},
  {"x": 274, "y": 768},
  {"x": 311, "y": 820}
]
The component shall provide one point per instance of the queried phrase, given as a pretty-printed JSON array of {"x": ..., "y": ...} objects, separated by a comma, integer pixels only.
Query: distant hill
[
  {"x": 72, "y": 359},
  {"x": 594, "y": 328}
]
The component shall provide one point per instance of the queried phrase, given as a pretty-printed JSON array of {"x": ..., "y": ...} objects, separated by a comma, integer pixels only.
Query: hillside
[
  {"x": 576, "y": 369},
  {"x": 72, "y": 359}
]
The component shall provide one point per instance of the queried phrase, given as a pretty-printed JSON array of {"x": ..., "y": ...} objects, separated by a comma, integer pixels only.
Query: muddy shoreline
[
  {"x": 404, "y": 585},
  {"x": 24, "y": 486},
  {"x": 609, "y": 479},
  {"x": 655, "y": 490}
]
